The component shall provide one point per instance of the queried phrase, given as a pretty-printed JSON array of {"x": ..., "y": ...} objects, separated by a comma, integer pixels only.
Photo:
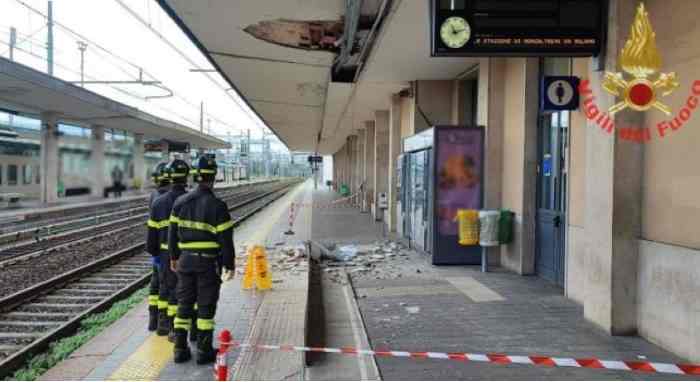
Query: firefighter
[
  {"x": 177, "y": 171},
  {"x": 162, "y": 182},
  {"x": 201, "y": 244}
]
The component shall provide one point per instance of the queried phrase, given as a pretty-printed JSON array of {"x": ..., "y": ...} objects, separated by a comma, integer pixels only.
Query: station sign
[
  {"x": 517, "y": 27},
  {"x": 559, "y": 93},
  {"x": 315, "y": 159},
  {"x": 166, "y": 145}
]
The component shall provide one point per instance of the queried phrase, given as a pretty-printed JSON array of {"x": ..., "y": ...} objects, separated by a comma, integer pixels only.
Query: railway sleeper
[
  {"x": 107, "y": 280},
  {"x": 37, "y": 316},
  {"x": 98, "y": 286},
  {"x": 39, "y": 307},
  {"x": 82, "y": 292},
  {"x": 70, "y": 299},
  {"x": 123, "y": 275},
  {"x": 18, "y": 338},
  {"x": 111, "y": 278},
  {"x": 124, "y": 269},
  {"x": 138, "y": 263},
  {"x": 21, "y": 327}
]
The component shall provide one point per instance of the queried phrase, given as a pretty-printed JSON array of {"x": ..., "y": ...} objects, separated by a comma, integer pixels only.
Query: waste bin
[
  {"x": 505, "y": 227},
  {"x": 488, "y": 228},
  {"x": 468, "y": 226}
]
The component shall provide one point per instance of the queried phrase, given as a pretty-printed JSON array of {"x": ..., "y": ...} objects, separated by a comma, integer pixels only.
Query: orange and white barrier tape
[{"x": 499, "y": 359}]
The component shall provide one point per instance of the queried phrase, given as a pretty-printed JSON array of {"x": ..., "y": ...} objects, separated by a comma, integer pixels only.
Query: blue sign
[
  {"x": 547, "y": 165},
  {"x": 559, "y": 93}
]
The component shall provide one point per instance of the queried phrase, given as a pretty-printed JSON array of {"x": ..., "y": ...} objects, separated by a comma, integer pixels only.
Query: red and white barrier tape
[
  {"x": 500, "y": 359},
  {"x": 295, "y": 207},
  {"x": 329, "y": 204}
]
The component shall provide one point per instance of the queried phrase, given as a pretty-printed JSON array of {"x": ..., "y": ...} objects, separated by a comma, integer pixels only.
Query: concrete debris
[
  {"x": 384, "y": 260},
  {"x": 412, "y": 309}
]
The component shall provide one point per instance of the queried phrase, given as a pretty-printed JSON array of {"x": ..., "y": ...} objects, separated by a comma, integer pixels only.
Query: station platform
[
  {"x": 386, "y": 298},
  {"x": 407, "y": 304},
  {"x": 127, "y": 351}
]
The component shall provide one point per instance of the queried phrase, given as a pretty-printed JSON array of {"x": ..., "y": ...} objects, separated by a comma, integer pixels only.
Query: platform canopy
[
  {"x": 31, "y": 92},
  {"x": 291, "y": 88}
]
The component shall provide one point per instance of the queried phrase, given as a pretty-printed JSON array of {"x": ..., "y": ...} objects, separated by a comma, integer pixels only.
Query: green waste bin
[
  {"x": 344, "y": 190},
  {"x": 505, "y": 227}
]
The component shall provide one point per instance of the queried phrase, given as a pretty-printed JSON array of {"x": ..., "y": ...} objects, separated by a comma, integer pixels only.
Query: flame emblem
[{"x": 640, "y": 58}]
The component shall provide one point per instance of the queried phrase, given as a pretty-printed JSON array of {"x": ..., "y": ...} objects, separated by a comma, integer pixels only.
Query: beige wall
[
  {"x": 407, "y": 116},
  {"x": 513, "y": 135},
  {"x": 671, "y": 202},
  {"x": 435, "y": 100},
  {"x": 575, "y": 243},
  {"x": 519, "y": 160}
]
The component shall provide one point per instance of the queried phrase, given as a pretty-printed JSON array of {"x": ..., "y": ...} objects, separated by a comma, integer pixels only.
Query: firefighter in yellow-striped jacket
[
  {"x": 157, "y": 242},
  {"x": 162, "y": 182},
  {"x": 201, "y": 244}
]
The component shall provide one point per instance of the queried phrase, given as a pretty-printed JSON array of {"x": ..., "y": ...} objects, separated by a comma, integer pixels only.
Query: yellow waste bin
[{"x": 468, "y": 226}]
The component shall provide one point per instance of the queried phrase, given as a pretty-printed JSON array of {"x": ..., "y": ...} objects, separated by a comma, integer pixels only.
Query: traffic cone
[
  {"x": 263, "y": 278},
  {"x": 249, "y": 276}
]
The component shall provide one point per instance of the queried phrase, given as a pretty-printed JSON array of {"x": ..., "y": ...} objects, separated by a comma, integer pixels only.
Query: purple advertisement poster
[{"x": 459, "y": 167}]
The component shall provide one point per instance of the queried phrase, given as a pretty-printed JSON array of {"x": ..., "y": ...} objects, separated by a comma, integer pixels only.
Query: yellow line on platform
[{"x": 147, "y": 362}]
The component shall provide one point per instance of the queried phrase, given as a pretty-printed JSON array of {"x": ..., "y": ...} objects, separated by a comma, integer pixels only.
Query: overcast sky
[{"x": 118, "y": 44}]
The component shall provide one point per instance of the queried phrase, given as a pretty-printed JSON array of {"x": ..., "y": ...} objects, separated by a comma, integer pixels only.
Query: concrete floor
[{"x": 408, "y": 304}]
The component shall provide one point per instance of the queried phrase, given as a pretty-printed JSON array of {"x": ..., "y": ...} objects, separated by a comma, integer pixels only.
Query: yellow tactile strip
[{"x": 147, "y": 362}]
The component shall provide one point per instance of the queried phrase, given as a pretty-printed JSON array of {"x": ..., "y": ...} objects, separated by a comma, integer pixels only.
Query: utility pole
[
  {"x": 201, "y": 117},
  {"x": 82, "y": 46},
  {"x": 13, "y": 42},
  {"x": 49, "y": 42},
  {"x": 247, "y": 162}
]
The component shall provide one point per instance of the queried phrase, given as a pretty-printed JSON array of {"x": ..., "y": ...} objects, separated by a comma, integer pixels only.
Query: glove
[
  {"x": 226, "y": 275},
  {"x": 155, "y": 260}
]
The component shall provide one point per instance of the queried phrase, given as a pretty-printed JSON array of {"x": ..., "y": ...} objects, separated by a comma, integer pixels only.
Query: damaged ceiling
[
  {"x": 281, "y": 56},
  {"x": 315, "y": 70}
]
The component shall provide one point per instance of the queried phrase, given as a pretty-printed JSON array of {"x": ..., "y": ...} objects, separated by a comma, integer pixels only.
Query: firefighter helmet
[
  {"x": 206, "y": 168},
  {"x": 160, "y": 174},
  {"x": 178, "y": 171}
]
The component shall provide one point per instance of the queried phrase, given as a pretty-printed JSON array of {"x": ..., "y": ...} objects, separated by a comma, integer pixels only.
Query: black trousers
[
  {"x": 199, "y": 282},
  {"x": 154, "y": 287},
  {"x": 168, "y": 283}
]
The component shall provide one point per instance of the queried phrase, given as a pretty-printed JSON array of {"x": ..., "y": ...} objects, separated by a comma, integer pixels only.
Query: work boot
[
  {"x": 164, "y": 323},
  {"x": 193, "y": 333},
  {"x": 181, "y": 348},
  {"x": 152, "y": 318},
  {"x": 205, "y": 351},
  {"x": 171, "y": 334}
]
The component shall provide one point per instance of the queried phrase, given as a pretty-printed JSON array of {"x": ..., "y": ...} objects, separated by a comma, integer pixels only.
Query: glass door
[{"x": 552, "y": 185}]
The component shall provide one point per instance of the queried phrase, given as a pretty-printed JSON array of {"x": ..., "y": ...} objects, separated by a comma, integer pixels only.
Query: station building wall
[
  {"x": 667, "y": 270},
  {"x": 646, "y": 277}
]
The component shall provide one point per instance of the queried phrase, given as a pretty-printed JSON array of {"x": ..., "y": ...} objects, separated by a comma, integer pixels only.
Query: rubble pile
[
  {"x": 283, "y": 260},
  {"x": 374, "y": 261}
]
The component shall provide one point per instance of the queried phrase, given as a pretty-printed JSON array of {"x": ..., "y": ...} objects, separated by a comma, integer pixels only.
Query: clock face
[{"x": 455, "y": 32}]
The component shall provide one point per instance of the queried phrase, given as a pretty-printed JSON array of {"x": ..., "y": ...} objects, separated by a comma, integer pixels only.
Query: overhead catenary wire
[
  {"x": 29, "y": 37},
  {"x": 210, "y": 77},
  {"x": 99, "y": 47},
  {"x": 116, "y": 88}
]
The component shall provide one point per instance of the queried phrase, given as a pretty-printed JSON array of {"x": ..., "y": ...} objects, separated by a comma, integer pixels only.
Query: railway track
[
  {"x": 92, "y": 228},
  {"x": 46, "y": 224},
  {"x": 34, "y": 317}
]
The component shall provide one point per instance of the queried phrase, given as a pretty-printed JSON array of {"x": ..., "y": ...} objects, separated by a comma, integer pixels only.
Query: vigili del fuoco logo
[{"x": 640, "y": 60}]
